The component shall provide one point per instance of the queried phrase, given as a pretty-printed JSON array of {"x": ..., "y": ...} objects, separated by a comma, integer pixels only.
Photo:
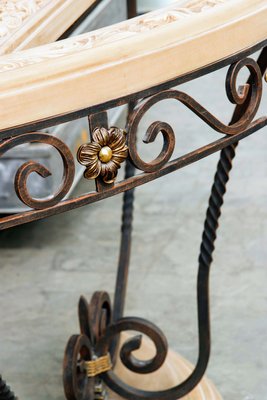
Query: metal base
[{"x": 175, "y": 370}]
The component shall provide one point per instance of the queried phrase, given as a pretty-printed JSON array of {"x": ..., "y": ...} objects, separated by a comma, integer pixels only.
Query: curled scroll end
[
  {"x": 21, "y": 181},
  {"x": 32, "y": 166},
  {"x": 249, "y": 92},
  {"x": 101, "y": 311},
  {"x": 76, "y": 383},
  {"x": 243, "y": 91},
  {"x": 85, "y": 318},
  {"x": 128, "y": 347},
  {"x": 150, "y": 136}
]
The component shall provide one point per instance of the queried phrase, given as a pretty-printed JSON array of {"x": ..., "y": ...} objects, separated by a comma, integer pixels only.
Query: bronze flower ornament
[{"x": 104, "y": 155}]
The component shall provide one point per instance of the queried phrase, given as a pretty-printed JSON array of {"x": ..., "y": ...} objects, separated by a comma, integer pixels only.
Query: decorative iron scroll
[
  {"x": 94, "y": 342},
  {"x": 104, "y": 155},
  {"x": 99, "y": 329},
  {"x": 247, "y": 100},
  {"x": 250, "y": 95},
  {"x": 31, "y": 166},
  {"x": 112, "y": 142}
]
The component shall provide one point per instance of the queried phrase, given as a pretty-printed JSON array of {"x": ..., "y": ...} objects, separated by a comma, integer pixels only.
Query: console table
[{"x": 139, "y": 62}]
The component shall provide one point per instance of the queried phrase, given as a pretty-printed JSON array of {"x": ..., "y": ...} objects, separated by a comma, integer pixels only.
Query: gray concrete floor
[{"x": 46, "y": 265}]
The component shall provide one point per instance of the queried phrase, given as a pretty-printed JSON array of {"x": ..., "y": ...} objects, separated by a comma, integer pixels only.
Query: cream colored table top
[
  {"x": 29, "y": 23},
  {"x": 125, "y": 58}
]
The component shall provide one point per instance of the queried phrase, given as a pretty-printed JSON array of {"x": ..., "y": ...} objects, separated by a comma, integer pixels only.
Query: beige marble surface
[
  {"x": 105, "y": 63},
  {"x": 29, "y": 23}
]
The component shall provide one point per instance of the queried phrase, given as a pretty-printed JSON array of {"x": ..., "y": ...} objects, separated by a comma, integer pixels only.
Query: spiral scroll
[
  {"x": 97, "y": 334},
  {"x": 31, "y": 166},
  {"x": 248, "y": 95},
  {"x": 102, "y": 331},
  {"x": 139, "y": 325}
]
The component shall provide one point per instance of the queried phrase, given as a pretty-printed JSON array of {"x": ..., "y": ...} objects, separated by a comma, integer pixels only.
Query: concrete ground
[{"x": 46, "y": 265}]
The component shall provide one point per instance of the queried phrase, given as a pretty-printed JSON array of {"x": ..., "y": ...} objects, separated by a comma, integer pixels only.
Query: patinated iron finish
[
  {"x": 250, "y": 96},
  {"x": 99, "y": 325},
  {"x": 247, "y": 99},
  {"x": 104, "y": 155},
  {"x": 97, "y": 333},
  {"x": 31, "y": 166},
  {"x": 126, "y": 237}
]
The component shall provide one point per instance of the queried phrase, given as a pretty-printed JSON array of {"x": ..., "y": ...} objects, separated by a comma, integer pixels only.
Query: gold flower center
[{"x": 105, "y": 154}]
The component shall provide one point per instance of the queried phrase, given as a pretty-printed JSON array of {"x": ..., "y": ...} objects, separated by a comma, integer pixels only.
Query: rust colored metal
[
  {"x": 222, "y": 174},
  {"x": 126, "y": 236},
  {"x": 125, "y": 246},
  {"x": 31, "y": 166},
  {"x": 100, "y": 326},
  {"x": 80, "y": 349},
  {"x": 135, "y": 181},
  {"x": 97, "y": 334},
  {"x": 96, "y": 120},
  {"x": 104, "y": 155},
  {"x": 247, "y": 99},
  {"x": 132, "y": 8},
  {"x": 99, "y": 108},
  {"x": 206, "y": 250},
  {"x": 249, "y": 96}
]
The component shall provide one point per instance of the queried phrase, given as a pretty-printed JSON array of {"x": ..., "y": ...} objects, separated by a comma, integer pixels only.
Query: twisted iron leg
[
  {"x": 126, "y": 237},
  {"x": 212, "y": 217},
  {"x": 215, "y": 203},
  {"x": 208, "y": 244},
  {"x": 127, "y": 218},
  {"x": 219, "y": 187},
  {"x": 125, "y": 247}
]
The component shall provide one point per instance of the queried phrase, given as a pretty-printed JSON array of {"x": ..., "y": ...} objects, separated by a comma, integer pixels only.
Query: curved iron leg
[
  {"x": 125, "y": 247},
  {"x": 213, "y": 214},
  {"x": 208, "y": 244},
  {"x": 219, "y": 187},
  {"x": 126, "y": 238}
]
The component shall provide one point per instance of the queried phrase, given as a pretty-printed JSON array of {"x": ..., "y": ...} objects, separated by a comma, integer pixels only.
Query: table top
[
  {"x": 176, "y": 40},
  {"x": 29, "y": 23}
]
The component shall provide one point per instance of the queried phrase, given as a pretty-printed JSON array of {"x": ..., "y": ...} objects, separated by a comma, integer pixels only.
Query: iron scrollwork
[
  {"x": 247, "y": 99},
  {"x": 110, "y": 147},
  {"x": 248, "y": 95},
  {"x": 94, "y": 343},
  {"x": 99, "y": 330},
  {"x": 31, "y": 166}
]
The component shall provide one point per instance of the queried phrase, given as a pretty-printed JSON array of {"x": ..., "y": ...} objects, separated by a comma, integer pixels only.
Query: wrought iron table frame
[{"x": 100, "y": 325}]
